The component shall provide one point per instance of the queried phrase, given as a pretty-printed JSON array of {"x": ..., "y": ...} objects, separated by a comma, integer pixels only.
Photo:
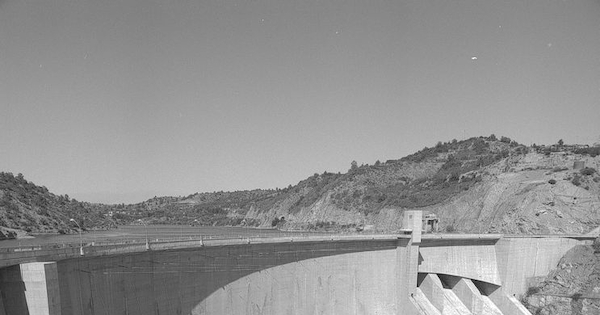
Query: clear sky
[{"x": 120, "y": 100}]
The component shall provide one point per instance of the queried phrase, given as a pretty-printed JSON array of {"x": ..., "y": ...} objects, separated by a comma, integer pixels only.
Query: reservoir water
[{"x": 154, "y": 233}]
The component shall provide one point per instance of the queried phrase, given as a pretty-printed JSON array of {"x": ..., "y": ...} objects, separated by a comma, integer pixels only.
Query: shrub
[
  {"x": 552, "y": 182},
  {"x": 593, "y": 151},
  {"x": 450, "y": 228},
  {"x": 587, "y": 171},
  {"x": 532, "y": 290},
  {"x": 596, "y": 245},
  {"x": 275, "y": 222},
  {"x": 576, "y": 180}
]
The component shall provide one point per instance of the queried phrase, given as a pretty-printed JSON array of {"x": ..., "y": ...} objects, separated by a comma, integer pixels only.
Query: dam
[{"x": 408, "y": 273}]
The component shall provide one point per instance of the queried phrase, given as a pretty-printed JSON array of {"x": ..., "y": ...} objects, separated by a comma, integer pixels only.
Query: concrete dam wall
[
  {"x": 240, "y": 279},
  {"x": 394, "y": 274},
  {"x": 332, "y": 277}
]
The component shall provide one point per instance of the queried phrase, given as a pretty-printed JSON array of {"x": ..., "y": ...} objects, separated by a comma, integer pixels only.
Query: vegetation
[
  {"x": 576, "y": 180},
  {"x": 587, "y": 171},
  {"x": 32, "y": 208},
  {"x": 457, "y": 165},
  {"x": 593, "y": 151},
  {"x": 427, "y": 177}
]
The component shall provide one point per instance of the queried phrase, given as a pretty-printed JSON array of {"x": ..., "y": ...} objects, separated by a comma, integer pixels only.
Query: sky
[{"x": 118, "y": 101}]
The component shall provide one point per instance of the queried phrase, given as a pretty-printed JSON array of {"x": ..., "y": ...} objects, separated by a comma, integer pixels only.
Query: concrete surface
[
  {"x": 30, "y": 288},
  {"x": 470, "y": 296},
  {"x": 520, "y": 259},
  {"x": 386, "y": 274},
  {"x": 423, "y": 304},
  {"x": 298, "y": 278},
  {"x": 508, "y": 304},
  {"x": 442, "y": 298},
  {"x": 473, "y": 259}
]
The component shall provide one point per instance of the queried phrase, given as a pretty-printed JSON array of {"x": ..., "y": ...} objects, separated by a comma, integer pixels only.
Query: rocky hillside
[
  {"x": 26, "y": 207},
  {"x": 481, "y": 185},
  {"x": 572, "y": 288}
]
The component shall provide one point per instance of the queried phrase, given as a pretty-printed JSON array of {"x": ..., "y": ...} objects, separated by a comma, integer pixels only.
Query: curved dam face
[
  {"x": 356, "y": 277},
  {"x": 404, "y": 274}
]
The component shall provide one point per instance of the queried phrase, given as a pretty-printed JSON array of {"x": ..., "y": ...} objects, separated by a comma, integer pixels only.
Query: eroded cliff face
[{"x": 531, "y": 194}]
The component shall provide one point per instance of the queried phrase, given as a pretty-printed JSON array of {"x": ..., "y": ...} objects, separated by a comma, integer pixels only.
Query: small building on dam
[{"x": 409, "y": 273}]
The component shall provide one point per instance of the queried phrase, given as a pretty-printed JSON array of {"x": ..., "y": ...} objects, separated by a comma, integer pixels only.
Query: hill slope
[
  {"x": 477, "y": 185},
  {"x": 25, "y": 206},
  {"x": 572, "y": 288}
]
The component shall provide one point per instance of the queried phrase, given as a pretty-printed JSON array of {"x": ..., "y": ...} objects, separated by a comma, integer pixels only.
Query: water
[{"x": 137, "y": 233}]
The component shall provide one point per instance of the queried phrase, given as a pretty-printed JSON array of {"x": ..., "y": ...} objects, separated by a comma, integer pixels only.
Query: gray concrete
[
  {"x": 441, "y": 298},
  {"x": 358, "y": 274},
  {"x": 508, "y": 304},
  {"x": 520, "y": 259},
  {"x": 473, "y": 259},
  {"x": 285, "y": 278},
  {"x": 470, "y": 296},
  {"x": 30, "y": 288}
]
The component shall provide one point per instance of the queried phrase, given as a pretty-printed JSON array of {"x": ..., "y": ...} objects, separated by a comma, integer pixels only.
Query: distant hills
[{"x": 482, "y": 184}]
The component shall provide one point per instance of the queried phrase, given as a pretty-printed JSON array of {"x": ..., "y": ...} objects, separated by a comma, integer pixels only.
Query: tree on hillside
[
  {"x": 561, "y": 142},
  {"x": 353, "y": 165},
  {"x": 493, "y": 137}
]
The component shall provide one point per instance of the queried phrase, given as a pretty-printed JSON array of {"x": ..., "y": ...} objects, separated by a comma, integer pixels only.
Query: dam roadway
[{"x": 406, "y": 273}]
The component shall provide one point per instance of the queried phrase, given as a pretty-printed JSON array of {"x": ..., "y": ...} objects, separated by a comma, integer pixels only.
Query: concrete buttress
[
  {"x": 30, "y": 288},
  {"x": 408, "y": 264}
]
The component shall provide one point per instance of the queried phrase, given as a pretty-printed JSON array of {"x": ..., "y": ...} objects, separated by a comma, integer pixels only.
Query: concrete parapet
[{"x": 17, "y": 256}]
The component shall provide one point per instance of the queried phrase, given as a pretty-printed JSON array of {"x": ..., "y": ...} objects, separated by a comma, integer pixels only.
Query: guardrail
[
  {"x": 90, "y": 240},
  {"x": 58, "y": 251},
  {"x": 142, "y": 240},
  {"x": 55, "y": 252}
]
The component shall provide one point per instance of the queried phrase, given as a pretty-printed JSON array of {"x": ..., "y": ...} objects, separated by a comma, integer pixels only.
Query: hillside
[
  {"x": 483, "y": 185},
  {"x": 572, "y": 288},
  {"x": 26, "y": 207},
  {"x": 479, "y": 185}
]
